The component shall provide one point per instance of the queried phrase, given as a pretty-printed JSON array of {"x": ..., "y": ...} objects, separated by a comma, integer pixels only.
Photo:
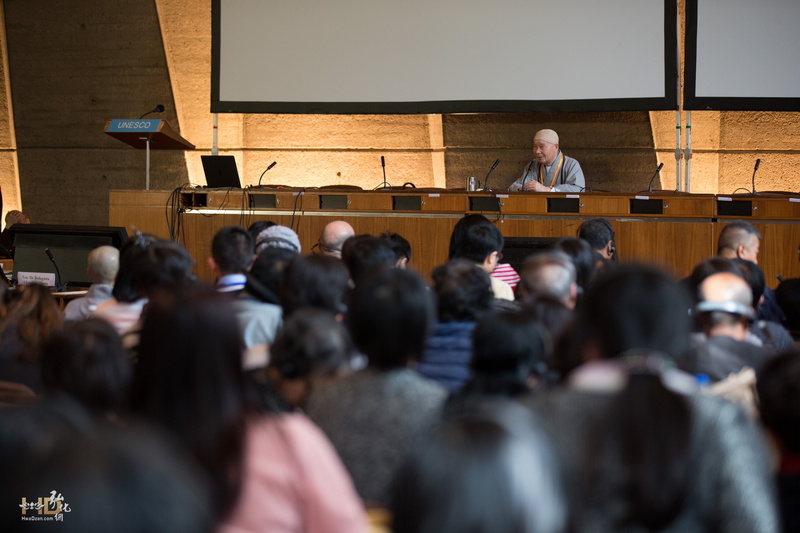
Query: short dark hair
[
  {"x": 597, "y": 232},
  {"x": 478, "y": 242},
  {"x": 163, "y": 265},
  {"x": 463, "y": 291},
  {"x": 581, "y": 253},
  {"x": 257, "y": 227},
  {"x": 124, "y": 290},
  {"x": 467, "y": 221},
  {"x": 754, "y": 277},
  {"x": 778, "y": 386},
  {"x": 264, "y": 278},
  {"x": 464, "y": 476},
  {"x": 314, "y": 281},
  {"x": 362, "y": 253},
  {"x": 391, "y": 315},
  {"x": 87, "y": 361},
  {"x": 734, "y": 234},
  {"x": 232, "y": 249},
  {"x": 399, "y": 245}
]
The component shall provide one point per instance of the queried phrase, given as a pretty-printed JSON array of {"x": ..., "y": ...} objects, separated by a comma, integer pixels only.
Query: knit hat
[
  {"x": 547, "y": 136},
  {"x": 278, "y": 237}
]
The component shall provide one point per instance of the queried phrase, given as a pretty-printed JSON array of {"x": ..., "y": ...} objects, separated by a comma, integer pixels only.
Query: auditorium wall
[{"x": 77, "y": 63}]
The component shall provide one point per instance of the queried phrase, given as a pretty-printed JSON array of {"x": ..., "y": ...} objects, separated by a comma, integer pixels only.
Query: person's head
[
  {"x": 34, "y": 312},
  {"x": 726, "y": 305},
  {"x": 509, "y": 354},
  {"x": 545, "y": 146},
  {"x": 787, "y": 294},
  {"x": 103, "y": 265},
  {"x": 313, "y": 346},
  {"x": 482, "y": 244},
  {"x": 162, "y": 266},
  {"x": 754, "y": 277},
  {"x": 739, "y": 239},
  {"x": 778, "y": 387},
  {"x": 16, "y": 217},
  {"x": 550, "y": 273},
  {"x": 599, "y": 233},
  {"x": 86, "y": 360},
  {"x": 126, "y": 480},
  {"x": 333, "y": 236},
  {"x": 705, "y": 268},
  {"x": 257, "y": 227},
  {"x": 391, "y": 313},
  {"x": 278, "y": 237},
  {"x": 463, "y": 291},
  {"x": 316, "y": 281},
  {"x": 188, "y": 381},
  {"x": 490, "y": 470},
  {"x": 124, "y": 290},
  {"x": 461, "y": 228},
  {"x": 580, "y": 252},
  {"x": 364, "y": 253},
  {"x": 231, "y": 250},
  {"x": 264, "y": 278},
  {"x": 400, "y": 246}
]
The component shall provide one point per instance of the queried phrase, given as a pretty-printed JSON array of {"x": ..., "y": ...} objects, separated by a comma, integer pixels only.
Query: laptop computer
[{"x": 221, "y": 171}]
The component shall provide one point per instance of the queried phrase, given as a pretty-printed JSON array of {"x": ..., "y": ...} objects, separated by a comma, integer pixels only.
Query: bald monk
[{"x": 550, "y": 170}]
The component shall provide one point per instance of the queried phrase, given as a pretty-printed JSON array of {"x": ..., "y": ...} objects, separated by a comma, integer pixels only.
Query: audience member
[
  {"x": 502, "y": 271},
  {"x": 580, "y": 252},
  {"x": 550, "y": 273},
  {"x": 6, "y": 240},
  {"x": 86, "y": 361},
  {"x": 640, "y": 454},
  {"x": 787, "y": 296},
  {"x": 102, "y": 267},
  {"x": 364, "y": 253},
  {"x": 33, "y": 315},
  {"x": 257, "y": 227},
  {"x": 556, "y": 319},
  {"x": 264, "y": 278},
  {"x": 373, "y": 415},
  {"x": 463, "y": 294},
  {"x": 316, "y": 281},
  {"x": 333, "y": 236},
  {"x": 599, "y": 233},
  {"x": 401, "y": 248},
  {"x": 482, "y": 244},
  {"x": 278, "y": 237},
  {"x": 312, "y": 348},
  {"x": 268, "y": 471},
  {"x": 778, "y": 387},
  {"x": 232, "y": 252},
  {"x": 489, "y": 471}
]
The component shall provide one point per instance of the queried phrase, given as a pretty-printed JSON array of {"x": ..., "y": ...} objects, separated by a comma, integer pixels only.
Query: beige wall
[{"x": 76, "y": 63}]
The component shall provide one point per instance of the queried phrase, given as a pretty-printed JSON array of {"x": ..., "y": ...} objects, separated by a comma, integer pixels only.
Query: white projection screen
[
  {"x": 443, "y": 56},
  {"x": 743, "y": 55}
]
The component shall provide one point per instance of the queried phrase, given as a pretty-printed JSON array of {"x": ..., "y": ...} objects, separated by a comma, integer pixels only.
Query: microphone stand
[
  {"x": 650, "y": 185},
  {"x": 59, "y": 286},
  {"x": 753, "y": 180},
  {"x": 486, "y": 179},
  {"x": 385, "y": 185},
  {"x": 265, "y": 171}
]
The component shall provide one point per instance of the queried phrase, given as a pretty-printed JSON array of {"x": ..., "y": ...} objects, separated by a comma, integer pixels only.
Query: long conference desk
[{"x": 672, "y": 230}]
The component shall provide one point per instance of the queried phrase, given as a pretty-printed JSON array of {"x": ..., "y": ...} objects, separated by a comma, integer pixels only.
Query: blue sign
[{"x": 133, "y": 126}]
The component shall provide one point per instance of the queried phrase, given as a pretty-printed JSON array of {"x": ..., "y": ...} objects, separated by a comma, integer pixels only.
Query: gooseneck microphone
[
  {"x": 758, "y": 163},
  {"x": 59, "y": 286},
  {"x": 650, "y": 185},
  {"x": 157, "y": 109},
  {"x": 486, "y": 179},
  {"x": 265, "y": 171},
  {"x": 385, "y": 184}
]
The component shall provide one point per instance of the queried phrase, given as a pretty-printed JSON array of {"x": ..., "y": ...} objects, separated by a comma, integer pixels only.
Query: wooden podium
[{"x": 147, "y": 134}]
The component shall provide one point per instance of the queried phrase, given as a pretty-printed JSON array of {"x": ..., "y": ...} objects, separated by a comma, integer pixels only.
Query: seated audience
[
  {"x": 364, "y": 253},
  {"x": 269, "y": 471},
  {"x": 490, "y": 471},
  {"x": 32, "y": 316},
  {"x": 482, "y": 244},
  {"x": 373, "y": 415},
  {"x": 87, "y": 362},
  {"x": 257, "y": 227},
  {"x": 599, "y": 233},
  {"x": 333, "y": 236},
  {"x": 552, "y": 274},
  {"x": 779, "y": 396},
  {"x": 278, "y": 237},
  {"x": 502, "y": 271},
  {"x": 643, "y": 452},
  {"x": 232, "y": 253},
  {"x": 788, "y": 297},
  {"x": 463, "y": 295},
  {"x": 316, "y": 281},
  {"x": 580, "y": 252},
  {"x": 312, "y": 348},
  {"x": 264, "y": 278},
  {"x": 102, "y": 267},
  {"x": 556, "y": 320},
  {"x": 401, "y": 248}
]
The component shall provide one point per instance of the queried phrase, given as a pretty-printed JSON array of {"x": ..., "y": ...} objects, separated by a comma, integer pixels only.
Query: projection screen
[
  {"x": 442, "y": 56},
  {"x": 743, "y": 55}
]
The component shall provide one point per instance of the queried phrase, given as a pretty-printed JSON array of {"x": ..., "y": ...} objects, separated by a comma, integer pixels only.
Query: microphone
[
  {"x": 758, "y": 164},
  {"x": 486, "y": 179},
  {"x": 158, "y": 109},
  {"x": 385, "y": 184},
  {"x": 265, "y": 171},
  {"x": 650, "y": 185},
  {"x": 59, "y": 286}
]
